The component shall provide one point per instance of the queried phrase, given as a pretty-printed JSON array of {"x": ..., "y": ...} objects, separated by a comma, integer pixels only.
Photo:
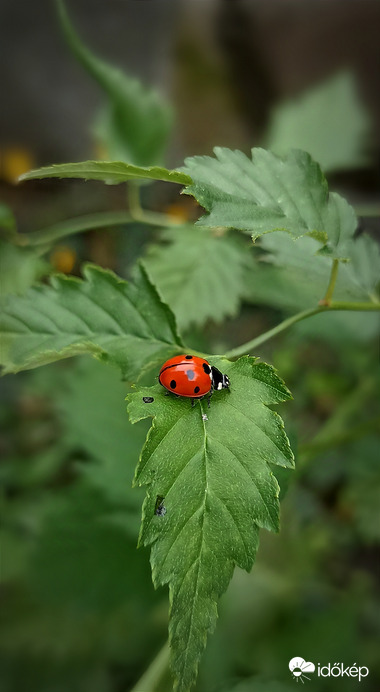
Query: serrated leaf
[
  {"x": 136, "y": 121},
  {"x": 123, "y": 323},
  {"x": 328, "y": 121},
  {"x": 218, "y": 490},
  {"x": 269, "y": 193},
  {"x": 200, "y": 275},
  {"x": 112, "y": 172}
]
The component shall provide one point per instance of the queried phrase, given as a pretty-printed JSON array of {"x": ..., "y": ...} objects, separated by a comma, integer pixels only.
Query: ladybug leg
[
  {"x": 192, "y": 403},
  {"x": 209, "y": 396}
]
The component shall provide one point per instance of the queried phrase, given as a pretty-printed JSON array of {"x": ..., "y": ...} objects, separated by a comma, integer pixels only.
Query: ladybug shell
[{"x": 186, "y": 376}]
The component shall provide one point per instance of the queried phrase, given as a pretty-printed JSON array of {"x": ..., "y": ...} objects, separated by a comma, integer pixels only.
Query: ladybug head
[{"x": 219, "y": 380}]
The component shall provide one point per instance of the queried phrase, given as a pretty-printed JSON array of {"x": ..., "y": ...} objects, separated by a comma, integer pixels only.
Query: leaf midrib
[{"x": 189, "y": 634}]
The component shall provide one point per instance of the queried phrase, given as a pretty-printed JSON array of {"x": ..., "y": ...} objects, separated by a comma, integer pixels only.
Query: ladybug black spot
[
  {"x": 206, "y": 368},
  {"x": 188, "y": 357},
  {"x": 196, "y": 390},
  {"x": 148, "y": 399},
  {"x": 173, "y": 384},
  {"x": 190, "y": 374}
]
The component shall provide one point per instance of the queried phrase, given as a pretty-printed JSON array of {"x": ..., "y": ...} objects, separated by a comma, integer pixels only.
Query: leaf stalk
[
  {"x": 87, "y": 222},
  {"x": 262, "y": 338},
  {"x": 153, "y": 675},
  {"x": 330, "y": 288},
  {"x": 138, "y": 213}
]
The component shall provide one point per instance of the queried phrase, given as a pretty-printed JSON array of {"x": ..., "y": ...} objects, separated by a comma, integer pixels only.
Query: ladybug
[{"x": 192, "y": 377}]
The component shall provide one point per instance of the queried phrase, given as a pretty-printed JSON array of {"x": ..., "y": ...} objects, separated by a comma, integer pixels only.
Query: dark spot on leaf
[
  {"x": 196, "y": 390},
  {"x": 206, "y": 368},
  {"x": 148, "y": 399},
  {"x": 160, "y": 509},
  {"x": 188, "y": 357},
  {"x": 173, "y": 384},
  {"x": 190, "y": 374}
]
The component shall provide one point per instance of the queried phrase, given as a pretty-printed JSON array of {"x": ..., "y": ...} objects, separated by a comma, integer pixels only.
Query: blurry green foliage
[
  {"x": 328, "y": 120},
  {"x": 206, "y": 277},
  {"x": 80, "y": 595},
  {"x": 19, "y": 268},
  {"x": 290, "y": 275},
  {"x": 80, "y": 612},
  {"x": 7, "y": 220},
  {"x": 136, "y": 121}
]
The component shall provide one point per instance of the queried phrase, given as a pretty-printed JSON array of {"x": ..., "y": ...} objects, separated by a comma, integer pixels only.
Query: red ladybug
[{"x": 192, "y": 377}]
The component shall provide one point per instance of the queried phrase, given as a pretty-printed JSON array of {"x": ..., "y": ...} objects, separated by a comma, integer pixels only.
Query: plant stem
[
  {"x": 330, "y": 288},
  {"x": 153, "y": 218},
  {"x": 154, "y": 673},
  {"x": 72, "y": 226},
  {"x": 262, "y": 338}
]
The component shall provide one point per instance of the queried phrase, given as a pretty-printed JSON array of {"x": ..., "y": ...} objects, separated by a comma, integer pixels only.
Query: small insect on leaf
[
  {"x": 160, "y": 509},
  {"x": 216, "y": 481},
  {"x": 148, "y": 399}
]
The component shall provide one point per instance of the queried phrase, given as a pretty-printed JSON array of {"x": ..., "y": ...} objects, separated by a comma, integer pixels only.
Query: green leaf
[
  {"x": 328, "y": 120},
  {"x": 269, "y": 193},
  {"x": 83, "y": 558},
  {"x": 214, "y": 475},
  {"x": 19, "y": 268},
  {"x": 7, "y": 220},
  {"x": 292, "y": 275},
  {"x": 200, "y": 275},
  {"x": 112, "y": 172},
  {"x": 365, "y": 264},
  {"x": 123, "y": 323},
  {"x": 136, "y": 121},
  {"x": 90, "y": 402}
]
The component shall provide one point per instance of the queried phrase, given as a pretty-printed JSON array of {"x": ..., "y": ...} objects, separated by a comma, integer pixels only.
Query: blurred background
[{"x": 79, "y": 611}]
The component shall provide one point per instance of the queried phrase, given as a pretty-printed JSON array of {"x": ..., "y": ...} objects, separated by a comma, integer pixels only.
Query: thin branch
[
  {"x": 71, "y": 226},
  {"x": 154, "y": 673},
  {"x": 153, "y": 218},
  {"x": 330, "y": 288},
  {"x": 258, "y": 340}
]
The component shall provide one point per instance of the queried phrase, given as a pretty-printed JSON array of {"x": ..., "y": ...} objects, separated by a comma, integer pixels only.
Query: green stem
[
  {"x": 154, "y": 673},
  {"x": 72, "y": 226},
  {"x": 153, "y": 218},
  {"x": 330, "y": 288},
  {"x": 258, "y": 340}
]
